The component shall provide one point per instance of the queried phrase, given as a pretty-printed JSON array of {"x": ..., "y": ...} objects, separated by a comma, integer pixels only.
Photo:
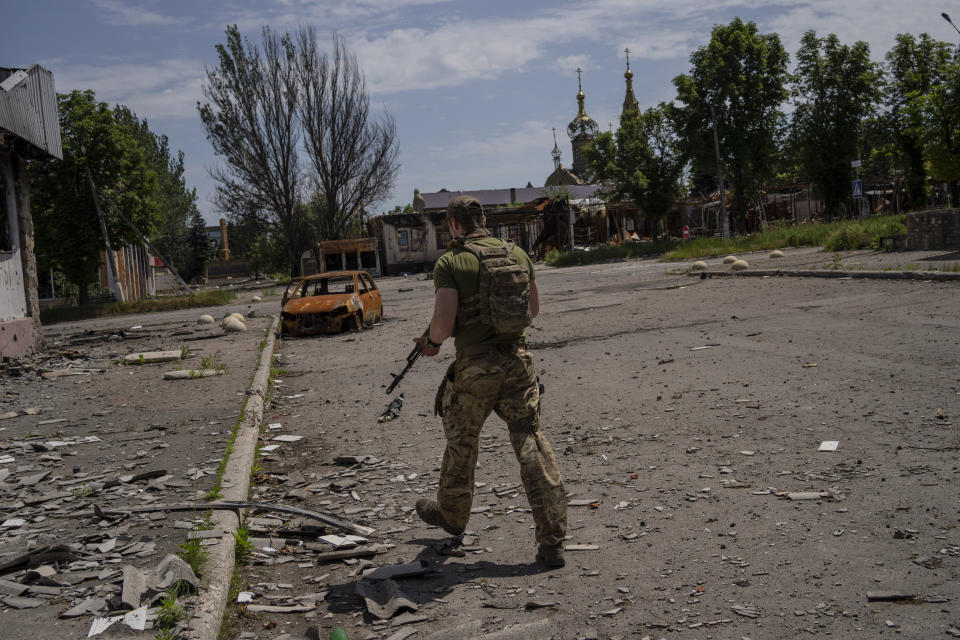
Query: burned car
[{"x": 329, "y": 303}]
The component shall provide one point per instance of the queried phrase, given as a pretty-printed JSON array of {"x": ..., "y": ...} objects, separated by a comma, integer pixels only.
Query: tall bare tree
[
  {"x": 251, "y": 121},
  {"x": 354, "y": 155}
]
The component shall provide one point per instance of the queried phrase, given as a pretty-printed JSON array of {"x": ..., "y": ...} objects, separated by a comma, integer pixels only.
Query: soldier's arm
[
  {"x": 444, "y": 314},
  {"x": 534, "y": 299},
  {"x": 441, "y": 325}
]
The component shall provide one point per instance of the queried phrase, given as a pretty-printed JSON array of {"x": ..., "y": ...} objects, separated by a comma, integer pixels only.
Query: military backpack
[{"x": 503, "y": 298}]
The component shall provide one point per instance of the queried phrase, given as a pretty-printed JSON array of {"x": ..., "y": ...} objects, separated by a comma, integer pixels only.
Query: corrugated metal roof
[
  {"x": 28, "y": 107},
  {"x": 501, "y": 197}
]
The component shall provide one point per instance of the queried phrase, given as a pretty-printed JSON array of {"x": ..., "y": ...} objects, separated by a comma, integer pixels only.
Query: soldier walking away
[{"x": 486, "y": 296}]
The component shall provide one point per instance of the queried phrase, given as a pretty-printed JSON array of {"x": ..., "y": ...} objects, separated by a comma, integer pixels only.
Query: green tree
[
  {"x": 642, "y": 161},
  {"x": 740, "y": 75},
  {"x": 198, "y": 248},
  {"x": 176, "y": 204},
  {"x": 836, "y": 87},
  {"x": 940, "y": 114},
  {"x": 67, "y": 228},
  {"x": 251, "y": 121},
  {"x": 914, "y": 67}
]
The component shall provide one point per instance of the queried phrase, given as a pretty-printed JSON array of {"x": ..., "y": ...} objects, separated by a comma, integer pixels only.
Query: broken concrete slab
[
  {"x": 150, "y": 357},
  {"x": 9, "y": 588},
  {"x": 384, "y": 599},
  {"x": 90, "y": 605},
  {"x": 23, "y": 603},
  {"x": 134, "y": 586},
  {"x": 268, "y": 608},
  {"x": 173, "y": 570},
  {"x": 407, "y": 570},
  {"x": 190, "y": 374}
]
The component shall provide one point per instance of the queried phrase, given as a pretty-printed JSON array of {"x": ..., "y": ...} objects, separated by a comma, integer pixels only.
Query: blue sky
[{"x": 475, "y": 86}]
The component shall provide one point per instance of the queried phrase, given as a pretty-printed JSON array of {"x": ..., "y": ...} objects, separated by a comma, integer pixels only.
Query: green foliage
[
  {"x": 836, "y": 87},
  {"x": 243, "y": 546},
  {"x": 740, "y": 74},
  {"x": 169, "y": 613},
  {"x": 214, "y": 297},
  {"x": 642, "y": 161},
  {"x": 166, "y": 634},
  {"x": 193, "y": 553},
  {"x": 939, "y": 112},
  {"x": 914, "y": 67},
  {"x": 804, "y": 235},
  {"x": 603, "y": 252},
  {"x": 398, "y": 209},
  {"x": 847, "y": 238},
  {"x": 108, "y": 144}
]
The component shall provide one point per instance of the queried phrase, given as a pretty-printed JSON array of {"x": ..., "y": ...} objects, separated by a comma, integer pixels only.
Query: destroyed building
[{"x": 29, "y": 129}]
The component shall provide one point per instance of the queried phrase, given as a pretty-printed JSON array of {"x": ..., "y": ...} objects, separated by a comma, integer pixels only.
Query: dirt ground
[{"x": 681, "y": 410}]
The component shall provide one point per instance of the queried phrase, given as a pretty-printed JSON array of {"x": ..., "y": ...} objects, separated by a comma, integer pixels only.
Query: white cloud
[
  {"x": 566, "y": 64},
  {"x": 158, "y": 89},
  {"x": 121, "y": 14}
]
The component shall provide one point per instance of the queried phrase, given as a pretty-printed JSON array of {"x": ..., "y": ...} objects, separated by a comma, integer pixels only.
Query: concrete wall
[
  {"x": 16, "y": 330},
  {"x": 933, "y": 229}
]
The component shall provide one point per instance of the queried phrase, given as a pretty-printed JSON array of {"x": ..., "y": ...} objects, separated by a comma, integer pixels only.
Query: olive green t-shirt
[{"x": 459, "y": 269}]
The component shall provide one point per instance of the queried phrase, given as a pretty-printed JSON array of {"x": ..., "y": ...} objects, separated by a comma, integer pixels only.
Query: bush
[{"x": 847, "y": 238}]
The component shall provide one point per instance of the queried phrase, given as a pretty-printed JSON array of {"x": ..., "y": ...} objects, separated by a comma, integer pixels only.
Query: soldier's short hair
[{"x": 468, "y": 212}]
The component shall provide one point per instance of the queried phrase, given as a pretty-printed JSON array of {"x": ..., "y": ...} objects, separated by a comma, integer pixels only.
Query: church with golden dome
[{"x": 582, "y": 130}]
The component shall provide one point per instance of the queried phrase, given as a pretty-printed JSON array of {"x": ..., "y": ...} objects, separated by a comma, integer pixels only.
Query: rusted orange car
[{"x": 329, "y": 303}]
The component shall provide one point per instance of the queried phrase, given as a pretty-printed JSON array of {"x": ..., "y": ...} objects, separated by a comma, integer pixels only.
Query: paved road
[{"x": 681, "y": 409}]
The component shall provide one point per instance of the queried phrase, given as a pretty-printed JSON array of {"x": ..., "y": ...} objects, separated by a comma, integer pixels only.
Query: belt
[{"x": 476, "y": 349}]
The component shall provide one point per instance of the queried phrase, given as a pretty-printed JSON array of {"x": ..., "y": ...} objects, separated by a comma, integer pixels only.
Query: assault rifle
[{"x": 412, "y": 357}]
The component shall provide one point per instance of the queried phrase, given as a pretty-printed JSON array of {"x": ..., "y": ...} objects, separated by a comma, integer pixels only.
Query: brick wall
[{"x": 933, "y": 229}]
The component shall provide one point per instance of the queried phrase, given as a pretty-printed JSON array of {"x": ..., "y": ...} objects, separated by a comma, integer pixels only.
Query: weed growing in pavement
[
  {"x": 166, "y": 634},
  {"x": 169, "y": 613},
  {"x": 242, "y": 545},
  {"x": 184, "y": 353},
  {"x": 82, "y": 491},
  {"x": 130, "y": 428},
  {"x": 192, "y": 552},
  {"x": 213, "y": 494}
]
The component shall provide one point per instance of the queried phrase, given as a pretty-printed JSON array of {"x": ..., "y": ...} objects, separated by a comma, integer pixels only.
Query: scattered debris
[
  {"x": 829, "y": 445},
  {"x": 415, "y": 568},
  {"x": 190, "y": 374},
  {"x": 392, "y": 410},
  {"x": 746, "y": 610},
  {"x": 150, "y": 357},
  {"x": 384, "y": 599}
]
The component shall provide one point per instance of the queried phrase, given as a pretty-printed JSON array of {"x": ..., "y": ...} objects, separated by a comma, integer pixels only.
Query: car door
[{"x": 372, "y": 302}]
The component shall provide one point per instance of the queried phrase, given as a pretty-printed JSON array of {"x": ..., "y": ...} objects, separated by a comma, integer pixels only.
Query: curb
[
  {"x": 868, "y": 275},
  {"x": 206, "y": 618}
]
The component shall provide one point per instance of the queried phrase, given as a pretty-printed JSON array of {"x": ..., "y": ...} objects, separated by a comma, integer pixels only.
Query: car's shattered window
[{"x": 328, "y": 286}]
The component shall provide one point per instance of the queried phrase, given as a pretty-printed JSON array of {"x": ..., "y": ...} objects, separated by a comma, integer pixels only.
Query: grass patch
[
  {"x": 193, "y": 554},
  {"x": 242, "y": 545},
  {"x": 834, "y": 236},
  {"x": 169, "y": 613},
  {"x": 602, "y": 252},
  {"x": 211, "y": 298}
]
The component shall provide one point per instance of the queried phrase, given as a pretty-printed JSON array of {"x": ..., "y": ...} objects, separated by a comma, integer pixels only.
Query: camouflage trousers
[{"x": 499, "y": 378}]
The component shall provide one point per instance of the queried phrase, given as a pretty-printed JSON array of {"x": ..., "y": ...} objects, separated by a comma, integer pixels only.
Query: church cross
[
  {"x": 627, "y": 51},
  {"x": 579, "y": 86}
]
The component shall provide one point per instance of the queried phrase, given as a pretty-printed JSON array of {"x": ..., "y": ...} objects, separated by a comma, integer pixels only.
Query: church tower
[
  {"x": 581, "y": 130},
  {"x": 630, "y": 104}
]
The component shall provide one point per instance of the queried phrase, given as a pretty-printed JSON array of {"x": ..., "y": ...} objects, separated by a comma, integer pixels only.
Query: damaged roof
[{"x": 28, "y": 108}]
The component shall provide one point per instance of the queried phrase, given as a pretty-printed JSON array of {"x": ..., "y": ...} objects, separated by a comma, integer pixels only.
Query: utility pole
[
  {"x": 723, "y": 193},
  {"x": 113, "y": 277}
]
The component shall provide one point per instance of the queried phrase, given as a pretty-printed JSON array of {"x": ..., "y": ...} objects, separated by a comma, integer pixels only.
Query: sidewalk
[{"x": 81, "y": 428}]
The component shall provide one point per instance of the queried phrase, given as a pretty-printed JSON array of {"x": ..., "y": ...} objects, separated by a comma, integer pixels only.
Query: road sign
[
  {"x": 856, "y": 164},
  {"x": 686, "y": 232},
  {"x": 858, "y": 188}
]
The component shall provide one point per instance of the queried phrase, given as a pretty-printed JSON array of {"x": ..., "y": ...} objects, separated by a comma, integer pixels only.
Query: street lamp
[{"x": 947, "y": 18}]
